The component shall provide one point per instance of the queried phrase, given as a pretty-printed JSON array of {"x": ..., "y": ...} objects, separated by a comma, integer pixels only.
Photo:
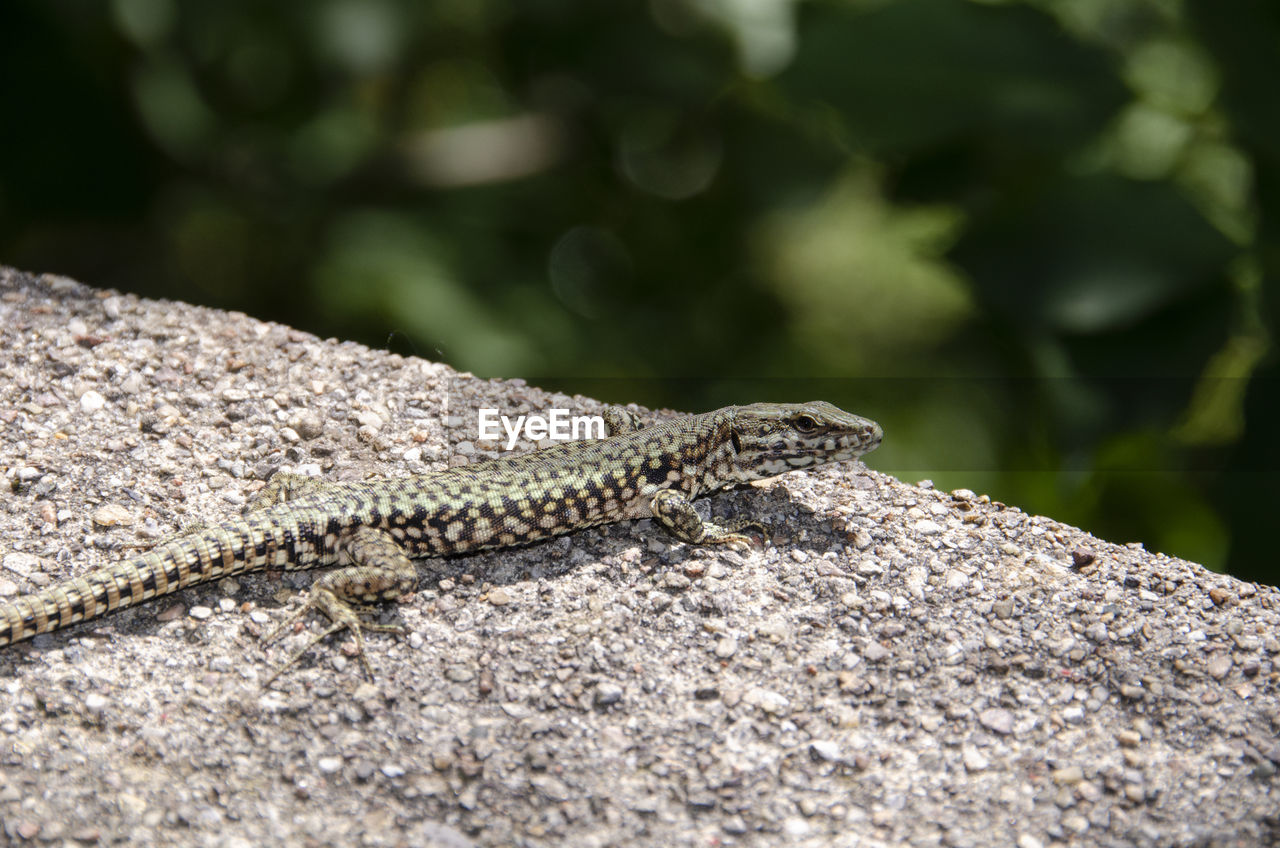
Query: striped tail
[
  {"x": 233, "y": 547},
  {"x": 99, "y": 592},
  {"x": 197, "y": 557}
]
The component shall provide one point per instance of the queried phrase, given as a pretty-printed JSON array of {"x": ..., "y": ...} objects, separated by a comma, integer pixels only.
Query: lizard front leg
[
  {"x": 675, "y": 512},
  {"x": 380, "y": 571}
]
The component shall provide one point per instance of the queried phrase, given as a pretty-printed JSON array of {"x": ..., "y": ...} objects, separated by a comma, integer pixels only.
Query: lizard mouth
[
  {"x": 835, "y": 449},
  {"x": 800, "y": 459}
]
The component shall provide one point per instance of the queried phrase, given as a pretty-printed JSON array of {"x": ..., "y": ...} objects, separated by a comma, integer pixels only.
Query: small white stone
[
  {"x": 21, "y": 564},
  {"x": 997, "y": 720},
  {"x": 915, "y": 580},
  {"x": 112, "y": 515},
  {"x": 824, "y": 749},
  {"x": 91, "y": 402},
  {"x": 770, "y": 702},
  {"x": 516, "y": 710},
  {"x": 370, "y": 419},
  {"x": 974, "y": 760},
  {"x": 796, "y": 827}
]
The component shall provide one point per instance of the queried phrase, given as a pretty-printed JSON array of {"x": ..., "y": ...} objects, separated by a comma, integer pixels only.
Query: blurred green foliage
[{"x": 1036, "y": 239}]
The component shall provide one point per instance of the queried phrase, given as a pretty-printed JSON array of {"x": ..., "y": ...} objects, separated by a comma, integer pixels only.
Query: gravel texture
[{"x": 898, "y": 666}]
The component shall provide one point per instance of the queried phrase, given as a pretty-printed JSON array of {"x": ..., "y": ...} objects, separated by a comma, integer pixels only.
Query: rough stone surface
[{"x": 898, "y": 666}]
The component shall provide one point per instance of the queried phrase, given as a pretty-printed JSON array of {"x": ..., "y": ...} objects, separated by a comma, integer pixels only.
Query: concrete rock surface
[{"x": 897, "y": 666}]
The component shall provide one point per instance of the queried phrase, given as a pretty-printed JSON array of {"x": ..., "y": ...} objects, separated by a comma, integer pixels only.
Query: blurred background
[{"x": 1037, "y": 240}]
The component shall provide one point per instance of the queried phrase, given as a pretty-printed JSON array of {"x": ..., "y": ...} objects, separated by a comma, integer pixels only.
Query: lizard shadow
[
  {"x": 786, "y": 517},
  {"x": 548, "y": 560}
]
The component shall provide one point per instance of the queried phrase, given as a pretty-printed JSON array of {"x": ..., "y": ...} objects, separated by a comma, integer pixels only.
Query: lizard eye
[
  {"x": 735, "y": 441},
  {"x": 805, "y": 424}
]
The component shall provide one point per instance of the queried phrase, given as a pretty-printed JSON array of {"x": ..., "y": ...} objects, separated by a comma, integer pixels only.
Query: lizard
[{"x": 374, "y": 529}]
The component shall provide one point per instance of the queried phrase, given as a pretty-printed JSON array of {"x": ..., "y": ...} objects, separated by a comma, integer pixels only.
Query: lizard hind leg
[
  {"x": 380, "y": 571},
  {"x": 284, "y": 487}
]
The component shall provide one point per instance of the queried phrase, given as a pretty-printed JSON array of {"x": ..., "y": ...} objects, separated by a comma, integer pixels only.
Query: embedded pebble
[
  {"x": 370, "y": 419},
  {"x": 21, "y": 564},
  {"x": 112, "y": 515},
  {"x": 824, "y": 749},
  {"x": 608, "y": 694},
  {"x": 997, "y": 720},
  {"x": 1069, "y": 775},
  {"x": 91, "y": 402},
  {"x": 1128, "y": 738},
  {"x": 1219, "y": 665},
  {"x": 974, "y": 760},
  {"x": 875, "y": 652},
  {"x": 768, "y": 701}
]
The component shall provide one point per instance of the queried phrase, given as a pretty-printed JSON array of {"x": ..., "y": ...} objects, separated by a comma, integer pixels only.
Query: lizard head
[{"x": 770, "y": 438}]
